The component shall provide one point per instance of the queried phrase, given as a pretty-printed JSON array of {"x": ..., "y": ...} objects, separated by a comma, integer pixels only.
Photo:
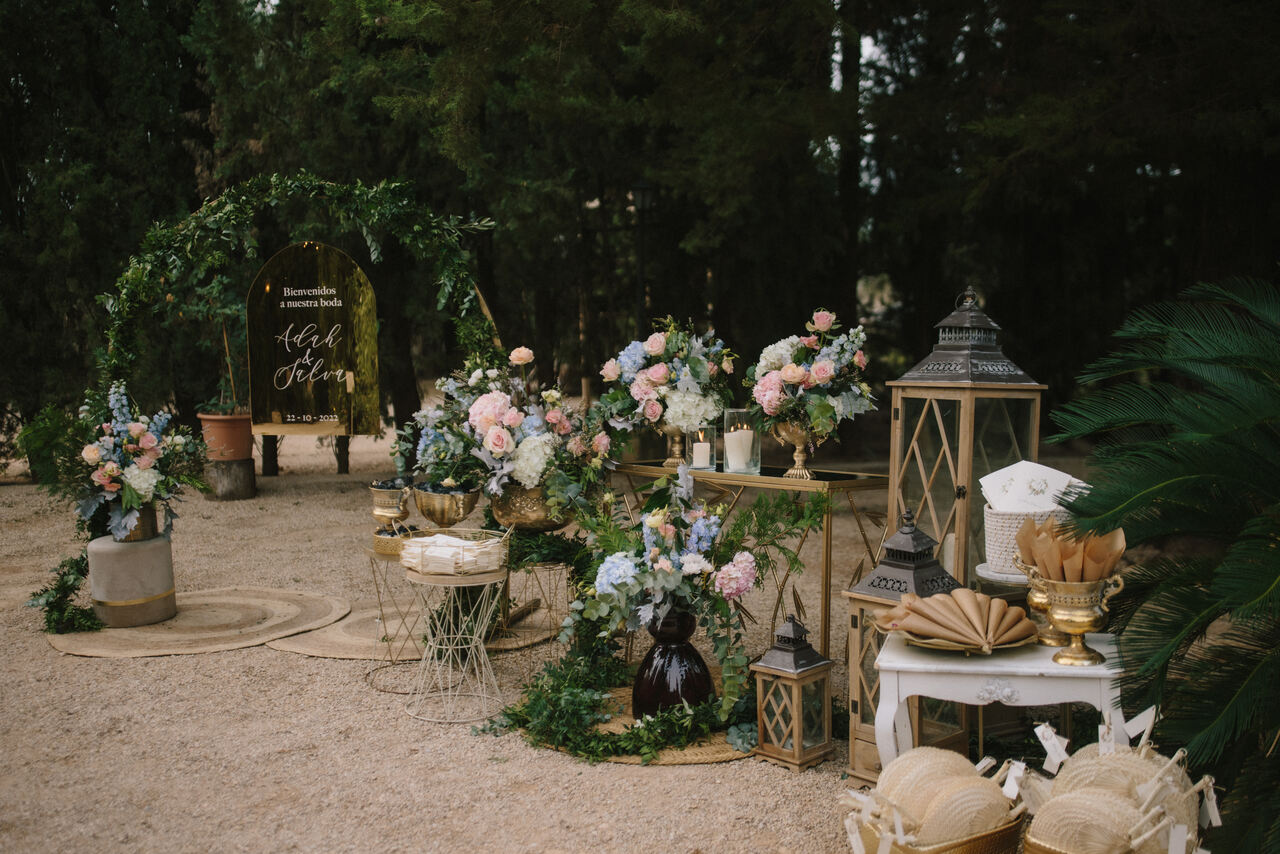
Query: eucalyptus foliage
[{"x": 1187, "y": 416}]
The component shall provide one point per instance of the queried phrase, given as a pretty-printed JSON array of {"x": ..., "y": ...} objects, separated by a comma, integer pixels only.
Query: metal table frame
[{"x": 770, "y": 478}]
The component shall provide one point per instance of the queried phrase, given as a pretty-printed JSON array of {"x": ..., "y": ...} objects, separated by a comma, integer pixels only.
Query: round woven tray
[{"x": 706, "y": 752}]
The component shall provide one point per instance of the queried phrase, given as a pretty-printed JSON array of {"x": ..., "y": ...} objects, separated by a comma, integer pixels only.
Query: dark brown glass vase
[{"x": 673, "y": 670}]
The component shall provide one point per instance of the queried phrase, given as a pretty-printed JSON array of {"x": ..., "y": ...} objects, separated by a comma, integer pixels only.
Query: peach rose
[
  {"x": 822, "y": 372},
  {"x": 860, "y": 359},
  {"x": 498, "y": 441},
  {"x": 513, "y": 418},
  {"x": 148, "y": 441},
  {"x": 521, "y": 356},
  {"x": 652, "y": 409},
  {"x": 577, "y": 446},
  {"x": 727, "y": 366},
  {"x": 611, "y": 370},
  {"x": 793, "y": 373},
  {"x": 91, "y": 454},
  {"x": 642, "y": 390},
  {"x": 822, "y": 321},
  {"x": 811, "y": 342},
  {"x": 656, "y": 343},
  {"x": 137, "y": 428}
]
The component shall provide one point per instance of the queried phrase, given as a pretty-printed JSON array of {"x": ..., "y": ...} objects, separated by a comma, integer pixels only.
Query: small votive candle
[{"x": 700, "y": 448}]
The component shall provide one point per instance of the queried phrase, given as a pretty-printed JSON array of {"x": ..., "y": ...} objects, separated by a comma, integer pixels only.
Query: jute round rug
[
  {"x": 708, "y": 751},
  {"x": 212, "y": 621},
  {"x": 360, "y": 635}
]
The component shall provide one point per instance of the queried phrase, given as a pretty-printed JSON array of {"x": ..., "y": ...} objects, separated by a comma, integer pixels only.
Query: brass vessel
[
  {"x": 675, "y": 446},
  {"x": 798, "y": 437},
  {"x": 389, "y": 505},
  {"x": 1038, "y": 607},
  {"x": 445, "y": 509},
  {"x": 145, "y": 528},
  {"x": 524, "y": 509},
  {"x": 1076, "y": 608}
]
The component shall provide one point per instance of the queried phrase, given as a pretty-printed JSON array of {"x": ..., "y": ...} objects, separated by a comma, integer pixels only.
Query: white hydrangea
[
  {"x": 775, "y": 356},
  {"x": 687, "y": 411},
  {"x": 143, "y": 481},
  {"x": 531, "y": 458},
  {"x": 695, "y": 564}
]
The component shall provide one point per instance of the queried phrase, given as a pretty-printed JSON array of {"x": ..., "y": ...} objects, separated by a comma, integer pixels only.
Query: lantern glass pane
[
  {"x": 869, "y": 678},
  {"x": 1001, "y": 437},
  {"x": 776, "y": 714},
  {"x": 930, "y": 456},
  {"x": 812, "y": 730},
  {"x": 938, "y": 718}
]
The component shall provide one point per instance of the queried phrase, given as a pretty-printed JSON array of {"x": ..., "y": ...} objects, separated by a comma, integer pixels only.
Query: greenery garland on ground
[{"x": 57, "y": 599}]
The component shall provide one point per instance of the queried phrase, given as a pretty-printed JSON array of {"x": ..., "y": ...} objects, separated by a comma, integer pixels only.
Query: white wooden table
[{"x": 1025, "y": 676}]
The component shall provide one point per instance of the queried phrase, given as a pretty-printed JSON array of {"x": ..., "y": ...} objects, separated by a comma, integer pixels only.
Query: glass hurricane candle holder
[
  {"x": 700, "y": 448},
  {"x": 741, "y": 442}
]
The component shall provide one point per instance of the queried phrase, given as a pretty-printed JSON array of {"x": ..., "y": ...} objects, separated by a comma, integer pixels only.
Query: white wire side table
[{"x": 456, "y": 683}]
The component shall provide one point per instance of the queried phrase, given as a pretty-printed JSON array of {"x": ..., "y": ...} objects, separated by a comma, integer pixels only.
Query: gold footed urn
[
  {"x": 445, "y": 509},
  {"x": 524, "y": 509},
  {"x": 675, "y": 446},
  {"x": 798, "y": 437},
  {"x": 390, "y": 504},
  {"x": 1077, "y": 608},
  {"x": 1038, "y": 607}
]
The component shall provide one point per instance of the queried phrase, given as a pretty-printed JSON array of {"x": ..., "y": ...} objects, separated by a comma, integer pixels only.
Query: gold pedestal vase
[
  {"x": 798, "y": 437},
  {"x": 1077, "y": 608}
]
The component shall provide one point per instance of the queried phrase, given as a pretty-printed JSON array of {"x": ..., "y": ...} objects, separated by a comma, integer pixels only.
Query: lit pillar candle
[
  {"x": 737, "y": 449},
  {"x": 701, "y": 455}
]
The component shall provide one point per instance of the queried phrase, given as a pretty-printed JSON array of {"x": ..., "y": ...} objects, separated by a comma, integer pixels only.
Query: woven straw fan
[
  {"x": 911, "y": 780},
  {"x": 962, "y": 617},
  {"x": 1059, "y": 557}
]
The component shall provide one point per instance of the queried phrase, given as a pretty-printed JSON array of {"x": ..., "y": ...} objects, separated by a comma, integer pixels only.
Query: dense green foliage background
[{"x": 1071, "y": 160}]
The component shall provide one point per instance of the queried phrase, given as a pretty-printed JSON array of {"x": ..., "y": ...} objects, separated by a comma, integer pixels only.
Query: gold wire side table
[
  {"x": 455, "y": 682},
  {"x": 398, "y": 645}
]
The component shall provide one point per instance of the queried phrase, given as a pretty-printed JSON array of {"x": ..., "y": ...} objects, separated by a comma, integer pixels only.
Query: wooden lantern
[
  {"x": 962, "y": 413},
  {"x": 793, "y": 700},
  {"x": 908, "y": 566}
]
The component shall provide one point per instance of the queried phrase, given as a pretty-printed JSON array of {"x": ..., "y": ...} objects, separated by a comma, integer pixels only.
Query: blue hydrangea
[
  {"x": 631, "y": 360},
  {"x": 702, "y": 534},
  {"x": 532, "y": 425},
  {"x": 617, "y": 569},
  {"x": 159, "y": 423}
]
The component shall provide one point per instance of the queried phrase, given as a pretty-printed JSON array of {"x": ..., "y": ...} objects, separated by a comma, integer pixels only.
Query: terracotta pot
[{"x": 229, "y": 437}]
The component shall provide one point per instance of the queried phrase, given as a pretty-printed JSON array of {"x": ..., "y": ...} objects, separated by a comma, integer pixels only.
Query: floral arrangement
[
  {"x": 813, "y": 381},
  {"x": 492, "y": 430},
  {"x": 673, "y": 378},
  {"x": 683, "y": 555},
  {"x": 133, "y": 461}
]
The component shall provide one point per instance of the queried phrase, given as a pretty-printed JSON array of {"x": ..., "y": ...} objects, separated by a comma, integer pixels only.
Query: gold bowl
[
  {"x": 445, "y": 509},
  {"x": 1076, "y": 608},
  {"x": 524, "y": 509}
]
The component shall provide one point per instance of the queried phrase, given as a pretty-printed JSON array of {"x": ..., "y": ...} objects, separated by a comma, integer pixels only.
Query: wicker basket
[
  {"x": 392, "y": 544},
  {"x": 1002, "y": 840},
  {"x": 1001, "y": 529},
  {"x": 489, "y": 563}
]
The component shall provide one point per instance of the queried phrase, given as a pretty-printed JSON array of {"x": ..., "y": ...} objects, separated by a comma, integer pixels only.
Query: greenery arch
[{"x": 191, "y": 271}]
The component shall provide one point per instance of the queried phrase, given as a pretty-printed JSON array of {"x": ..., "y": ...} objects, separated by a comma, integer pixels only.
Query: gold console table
[{"x": 770, "y": 478}]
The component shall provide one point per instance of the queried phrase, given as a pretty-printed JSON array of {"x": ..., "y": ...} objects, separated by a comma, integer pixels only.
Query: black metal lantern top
[
  {"x": 791, "y": 651},
  {"x": 968, "y": 350},
  {"x": 908, "y": 566}
]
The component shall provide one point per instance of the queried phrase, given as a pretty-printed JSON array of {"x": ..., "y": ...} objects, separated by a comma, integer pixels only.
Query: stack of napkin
[{"x": 445, "y": 555}]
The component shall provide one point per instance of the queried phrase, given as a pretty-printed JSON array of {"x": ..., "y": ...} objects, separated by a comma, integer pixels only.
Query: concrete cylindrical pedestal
[
  {"x": 132, "y": 583},
  {"x": 230, "y": 480}
]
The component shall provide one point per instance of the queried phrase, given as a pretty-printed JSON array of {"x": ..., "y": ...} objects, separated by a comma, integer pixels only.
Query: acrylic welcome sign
[{"x": 313, "y": 344}]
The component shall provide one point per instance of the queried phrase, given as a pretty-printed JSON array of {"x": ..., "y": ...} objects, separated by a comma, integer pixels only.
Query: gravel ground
[{"x": 261, "y": 750}]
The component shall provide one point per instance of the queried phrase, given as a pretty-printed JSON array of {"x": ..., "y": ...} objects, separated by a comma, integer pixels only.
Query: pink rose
[
  {"x": 103, "y": 478},
  {"x": 512, "y": 417},
  {"x": 793, "y": 373},
  {"x": 577, "y": 446},
  {"x": 668, "y": 531},
  {"x": 712, "y": 369},
  {"x": 111, "y": 468},
  {"x": 521, "y": 356},
  {"x": 822, "y": 372},
  {"x": 106, "y": 427},
  {"x": 498, "y": 441},
  {"x": 91, "y": 454},
  {"x": 860, "y": 359},
  {"x": 642, "y": 390},
  {"x": 664, "y": 564},
  {"x": 145, "y": 462},
  {"x": 770, "y": 382},
  {"x": 488, "y": 410},
  {"x": 659, "y": 374},
  {"x": 811, "y": 342},
  {"x": 148, "y": 441},
  {"x": 652, "y": 409},
  {"x": 137, "y": 428},
  {"x": 153, "y": 453},
  {"x": 600, "y": 443},
  {"x": 727, "y": 366},
  {"x": 656, "y": 343},
  {"x": 611, "y": 370},
  {"x": 822, "y": 321},
  {"x": 556, "y": 418}
]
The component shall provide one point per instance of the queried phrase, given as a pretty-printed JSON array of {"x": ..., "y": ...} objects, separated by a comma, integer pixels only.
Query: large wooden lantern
[
  {"x": 908, "y": 566},
  {"x": 793, "y": 700},
  {"x": 962, "y": 413}
]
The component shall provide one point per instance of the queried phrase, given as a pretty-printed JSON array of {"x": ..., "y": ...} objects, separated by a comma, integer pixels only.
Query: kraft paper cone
[
  {"x": 1012, "y": 615},
  {"x": 933, "y": 609},
  {"x": 1072, "y": 560},
  {"x": 951, "y": 607},
  {"x": 1021, "y": 630},
  {"x": 1048, "y": 557},
  {"x": 972, "y": 609},
  {"x": 1024, "y": 538},
  {"x": 1102, "y": 554},
  {"x": 995, "y": 614}
]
